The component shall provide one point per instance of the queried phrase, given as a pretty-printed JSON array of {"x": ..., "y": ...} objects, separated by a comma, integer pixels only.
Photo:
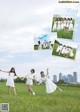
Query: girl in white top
[
  {"x": 71, "y": 52},
  {"x": 63, "y": 50},
  {"x": 71, "y": 25},
  {"x": 62, "y": 24},
  {"x": 65, "y": 23},
  {"x": 59, "y": 24},
  {"x": 39, "y": 45},
  {"x": 68, "y": 22},
  {"x": 59, "y": 49},
  {"x": 50, "y": 86},
  {"x": 55, "y": 25},
  {"x": 10, "y": 80},
  {"x": 30, "y": 77}
]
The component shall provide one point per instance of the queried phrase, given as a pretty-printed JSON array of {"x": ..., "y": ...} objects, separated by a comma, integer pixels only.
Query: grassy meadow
[
  {"x": 65, "y": 34},
  {"x": 66, "y": 101}
]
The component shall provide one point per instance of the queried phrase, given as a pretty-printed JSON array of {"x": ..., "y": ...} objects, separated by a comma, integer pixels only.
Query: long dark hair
[{"x": 12, "y": 71}]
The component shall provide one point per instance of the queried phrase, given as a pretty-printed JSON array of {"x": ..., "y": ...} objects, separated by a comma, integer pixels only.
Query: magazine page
[{"x": 39, "y": 55}]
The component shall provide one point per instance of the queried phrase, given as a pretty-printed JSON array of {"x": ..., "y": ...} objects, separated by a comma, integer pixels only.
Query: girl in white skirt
[
  {"x": 50, "y": 86},
  {"x": 10, "y": 80},
  {"x": 30, "y": 77},
  {"x": 71, "y": 53},
  {"x": 71, "y": 25}
]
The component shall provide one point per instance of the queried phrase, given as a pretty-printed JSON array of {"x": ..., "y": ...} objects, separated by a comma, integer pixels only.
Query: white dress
[
  {"x": 64, "y": 23},
  {"x": 59, "y": 48},
  {"x": 68, "y": 23},
  {"x": 59, "y": 25},
  {"x": 71, "y": 26},
  {"x": 62, "y": 26},
  {"x": 10, "y": 80},
  {"x": 55, "y": 25},
  {"x": 50, "y": 86},
  {"x": 63, "y": 50},
  {"x": 30, "y": 78},
  {"x": 71, "y": 53},
  {"x": 40, "y": 47}
]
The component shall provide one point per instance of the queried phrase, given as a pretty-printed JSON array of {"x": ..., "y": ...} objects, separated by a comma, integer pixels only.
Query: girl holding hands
[{"x": 10, "y": 80}]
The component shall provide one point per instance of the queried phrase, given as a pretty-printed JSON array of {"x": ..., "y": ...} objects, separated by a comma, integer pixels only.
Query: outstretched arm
[
  {"x": 4, "y": 71},
  {"x": 22, "y": 78}
]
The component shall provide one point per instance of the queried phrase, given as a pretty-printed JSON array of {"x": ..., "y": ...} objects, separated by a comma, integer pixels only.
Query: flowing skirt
[
  {"x": 10, "y": 81},
  {"x": 29, "y": 82},
  {"x": 50, "y": 86}
]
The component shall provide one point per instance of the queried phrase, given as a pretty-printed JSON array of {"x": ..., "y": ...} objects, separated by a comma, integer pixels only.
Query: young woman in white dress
[
  {"x": 30, "y": 77},
  {"x": 71, "y": 52},
  {"x": 55, "y": 25},
  {"x": 71, "y": 24},
  {"x": 63, "y": 50},
  {"x": 62, "y": 24},
  {"x": 65, "y": 23},
  {"x": 59, "y": 24},
  {"x": 39, "y": 45},
  {"x": 10, "y": 80},
  {"x": 68, "y": 23},
  {"x": 59, "y": 49},
  {"x": 50, "y": 86}
]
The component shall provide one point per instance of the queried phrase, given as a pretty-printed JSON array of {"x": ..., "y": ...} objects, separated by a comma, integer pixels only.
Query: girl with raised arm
[
  {"x": 10, "y": 80},
  {"x": 50, "y": 86}
]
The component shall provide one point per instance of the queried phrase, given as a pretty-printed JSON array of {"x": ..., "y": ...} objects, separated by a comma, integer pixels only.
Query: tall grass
[{"x": 65, "y": 101}]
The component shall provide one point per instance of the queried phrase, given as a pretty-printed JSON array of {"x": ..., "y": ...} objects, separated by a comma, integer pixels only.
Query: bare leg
[
  {"x": 14, "y": 90},
  {"x": 9, "y": 90},
  {"x": 59, "y": 89},
  {"x": 31, "y": 90}
]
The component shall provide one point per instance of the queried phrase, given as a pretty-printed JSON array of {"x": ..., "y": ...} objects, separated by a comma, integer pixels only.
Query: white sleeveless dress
[
  {"x": 30, "y": 78},
  {"x": 71, "y": 26},
  {"x": 71, "y": 53},
  {"x": 50, "y": 86},
  {"x": 55, "y": 26},
  {"x": 10, "y": 80}
]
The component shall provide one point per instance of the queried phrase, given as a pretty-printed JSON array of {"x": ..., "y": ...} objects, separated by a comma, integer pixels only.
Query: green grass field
[
  {"x": 66, "y": 101},
  {"x": 65, "y": 34}
]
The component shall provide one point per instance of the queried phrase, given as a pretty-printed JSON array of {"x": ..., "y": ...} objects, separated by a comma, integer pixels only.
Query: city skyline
[{"x": 69, "y": 78}]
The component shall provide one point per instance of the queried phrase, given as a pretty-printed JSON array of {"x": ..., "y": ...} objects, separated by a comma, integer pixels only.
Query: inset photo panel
[
  {"x": 63, "y": 22},
  {"x": 44, "y": 41},
  {"x": 65, "y": 49},
  {"x": 64, "y": 26}
]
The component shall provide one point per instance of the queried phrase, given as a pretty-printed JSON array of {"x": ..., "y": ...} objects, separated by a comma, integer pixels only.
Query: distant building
[
  {"x": 65, "y": 78},
  {"x": 54, "y": 78},
  {"x": 75, "y": 77},
  {"x": 60, "y": 76},
  {"x": 70, "y": 78}
]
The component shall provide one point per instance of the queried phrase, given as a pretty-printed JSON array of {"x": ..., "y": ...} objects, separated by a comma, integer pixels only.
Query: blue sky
[{"x": 20, "y": 22}]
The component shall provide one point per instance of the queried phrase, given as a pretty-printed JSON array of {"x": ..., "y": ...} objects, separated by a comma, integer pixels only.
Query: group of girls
[
  {"x": 44, "y": 45},
  {"x": 50, "y": 86},
  {"x": 65, "y": 50},
  {"x": 63, "y": 24}
]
